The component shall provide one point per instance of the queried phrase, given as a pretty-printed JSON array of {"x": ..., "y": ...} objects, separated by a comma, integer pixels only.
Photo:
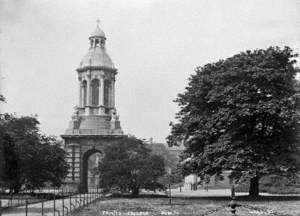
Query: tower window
[
  {"x": 95, "y": 91},
  {"x": 84, "y": 88}
]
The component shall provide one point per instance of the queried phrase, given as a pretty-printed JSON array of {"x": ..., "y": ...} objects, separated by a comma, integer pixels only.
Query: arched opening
[
  {"x": 93, "y": 170},
  {"x": 95, "y": 91},
  {"x": 96, "y": 42},
  {"x": 102, "y": 43},
  {"x": 106, "y": 92},
  {"x": 84, "y": 89},
  {"x": 89, "y": 173}
]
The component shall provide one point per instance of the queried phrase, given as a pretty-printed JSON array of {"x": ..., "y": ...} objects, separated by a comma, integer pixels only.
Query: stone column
[
  {"x": 101, "y": 95},
  {"x": 113, "y": 93},
  {"x": 80, "y": 94},
  {"x": 101, "y": 92},
  {"x": 88, "y": 92}
]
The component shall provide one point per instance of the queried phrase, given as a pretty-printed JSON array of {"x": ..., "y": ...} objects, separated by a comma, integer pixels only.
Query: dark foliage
[
  {"x": 30, "y": 159},
  {"x": 129, "y": 166}
]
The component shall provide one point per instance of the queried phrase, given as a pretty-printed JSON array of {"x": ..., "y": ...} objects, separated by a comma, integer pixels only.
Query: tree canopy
[
  {"x": 30, "y": 159},
  {"x": 129, "y": 166},
  {"x": 241, "y": 114},
  {"x": 2, "y": 99}
]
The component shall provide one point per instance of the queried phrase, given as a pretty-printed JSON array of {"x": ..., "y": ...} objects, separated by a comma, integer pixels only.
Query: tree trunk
[
  {"x": 254, "y": 187},
  {"x": 135, "y": 192},
  {"x": 16, "y": 191}
]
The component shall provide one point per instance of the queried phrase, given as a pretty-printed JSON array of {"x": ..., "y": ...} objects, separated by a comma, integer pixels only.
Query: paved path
[
  {"x": 215, "y": 193},
  {"x": 36, "y": 209},
  {"x": 204, "y": 193}
]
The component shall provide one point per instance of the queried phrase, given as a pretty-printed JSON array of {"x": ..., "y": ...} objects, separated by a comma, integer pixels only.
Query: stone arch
[{"x": 84, "y": 168}]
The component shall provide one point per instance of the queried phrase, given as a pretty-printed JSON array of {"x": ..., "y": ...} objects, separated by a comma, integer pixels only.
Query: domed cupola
[
  {"x": 97, "y": 57},
  {"x": 97, "y": 33}
]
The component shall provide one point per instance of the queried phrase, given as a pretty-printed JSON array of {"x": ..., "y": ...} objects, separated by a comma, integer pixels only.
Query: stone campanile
[
  {"x": 95, "y": 122},
  {"x": 96, "y": 112}
]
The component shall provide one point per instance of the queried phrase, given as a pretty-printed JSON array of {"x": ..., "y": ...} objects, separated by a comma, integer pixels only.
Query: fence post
[
  {"x": 70, "y": 207},
  {"x": 89, "y": 192},
  {"x": 170, "y": 195},
  {"x": 76, "y": 201},
  {"x": 26, "y": 207},
  {"x": 43, "y": 207},
  {"x": 11, "y": 200},
  {"x": 63, "y": 206},
  {"x": 54, "y": 205},
  {"x": 67, "y": 210}
]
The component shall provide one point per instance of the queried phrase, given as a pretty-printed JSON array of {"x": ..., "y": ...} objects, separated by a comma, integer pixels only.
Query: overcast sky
[{"x": 154, "y": 44}]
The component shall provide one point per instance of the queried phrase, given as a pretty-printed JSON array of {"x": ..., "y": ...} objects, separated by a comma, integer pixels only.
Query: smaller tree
[
  {"x": 129, "y": 166},
  {"x": 30, "y": 159},
  {"x": 47, "y": 166},
  {"x": 177, "y": 176}
]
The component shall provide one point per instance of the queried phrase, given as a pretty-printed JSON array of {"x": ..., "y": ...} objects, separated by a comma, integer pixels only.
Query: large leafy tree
[
  {"x": 241, "y": 114},
  {"x": 30, "y": 159},
  {"x": 129, "y": 166}
]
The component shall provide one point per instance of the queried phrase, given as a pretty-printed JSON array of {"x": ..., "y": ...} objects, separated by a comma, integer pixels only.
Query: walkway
[{"x": 59, "y": 207}]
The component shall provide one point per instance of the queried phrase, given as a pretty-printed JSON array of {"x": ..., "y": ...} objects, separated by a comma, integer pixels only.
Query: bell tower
[{"x": 95, "y": 122}]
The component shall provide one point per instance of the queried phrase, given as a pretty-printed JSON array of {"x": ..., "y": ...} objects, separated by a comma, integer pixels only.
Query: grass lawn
[{"x": 213, "y": 206}]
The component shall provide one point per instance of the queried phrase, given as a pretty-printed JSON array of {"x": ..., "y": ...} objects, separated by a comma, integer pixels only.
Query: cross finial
[{"x": 98, "y": 21}]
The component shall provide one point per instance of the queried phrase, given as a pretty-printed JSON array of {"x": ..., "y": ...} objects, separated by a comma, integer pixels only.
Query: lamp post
[
  {"x": 170, "y": 193},
  {"x": 233, "y": 203}
]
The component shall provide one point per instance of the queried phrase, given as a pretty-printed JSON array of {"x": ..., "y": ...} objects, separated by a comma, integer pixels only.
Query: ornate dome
[{"x": 97, "y": 57}]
